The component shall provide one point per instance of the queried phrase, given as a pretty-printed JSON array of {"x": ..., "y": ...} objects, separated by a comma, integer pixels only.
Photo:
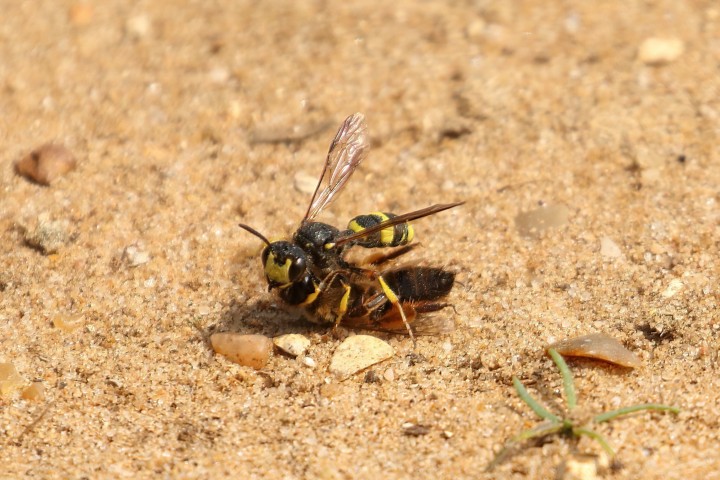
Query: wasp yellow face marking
[{"x": 276, "y": 272}]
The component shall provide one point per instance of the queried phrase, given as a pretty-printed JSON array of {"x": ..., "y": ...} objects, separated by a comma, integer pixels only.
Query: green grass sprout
[{"x": 555, "y": 424}]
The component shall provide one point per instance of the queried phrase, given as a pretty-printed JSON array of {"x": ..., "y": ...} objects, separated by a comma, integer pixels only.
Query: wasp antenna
[{"x": 255, "y": 232}]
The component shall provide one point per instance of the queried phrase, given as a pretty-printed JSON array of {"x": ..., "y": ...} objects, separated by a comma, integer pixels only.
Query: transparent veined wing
[{"x": 349, "y": 147}]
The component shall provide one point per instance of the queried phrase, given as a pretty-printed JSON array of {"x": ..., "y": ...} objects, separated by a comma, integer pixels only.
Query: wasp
[{"x": 311, "y": 271}]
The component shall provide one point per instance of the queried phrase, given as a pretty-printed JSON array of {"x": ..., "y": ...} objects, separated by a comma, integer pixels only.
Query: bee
[{"x": 310, "y": 271}]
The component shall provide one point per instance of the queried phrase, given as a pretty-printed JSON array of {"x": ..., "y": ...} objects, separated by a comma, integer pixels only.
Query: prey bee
[{"x": 310, "y": 271}]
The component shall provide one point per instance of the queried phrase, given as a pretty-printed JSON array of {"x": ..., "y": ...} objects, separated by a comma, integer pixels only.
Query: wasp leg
[
  {"x": 390, "y": 295},
  {"x": 343, "y": 306}
]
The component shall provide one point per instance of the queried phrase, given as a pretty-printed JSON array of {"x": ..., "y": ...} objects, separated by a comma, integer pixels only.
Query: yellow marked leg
[
  {"x": 342, "y": 308},
  {"x": 396, "y": 302}
]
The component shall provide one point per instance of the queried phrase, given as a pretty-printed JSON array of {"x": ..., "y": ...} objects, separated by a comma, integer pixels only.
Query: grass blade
[
  {"x": 541, "y": 411},
  {"x": 568, "y": 384},
  {"x": 604, "y": 417},
  {"x": 597, "y": 437}
]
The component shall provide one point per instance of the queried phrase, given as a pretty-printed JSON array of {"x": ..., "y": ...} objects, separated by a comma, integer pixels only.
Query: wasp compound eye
[{"x": 297, "y": 268}]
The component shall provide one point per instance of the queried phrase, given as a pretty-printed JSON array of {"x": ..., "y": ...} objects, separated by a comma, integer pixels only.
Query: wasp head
[{"x": 284, "y": 262}]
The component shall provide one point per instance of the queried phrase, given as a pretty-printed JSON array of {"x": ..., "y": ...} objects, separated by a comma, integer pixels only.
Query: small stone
[
  {"x": 293, "y": 344},
  {"x": 580, "y": 467},
  {"x": 136, "y": 254},
  {"x": 415, "y": 429},
  {"x": 330, "y": 390},
  {"x": 35, "y": 392},
  {"x": 81, "y": 14},
  {"x": 673, "y": 288},
  {"x": 68, "y": 323},
  {"x": 609, "y": 249},
  {"x": 305, "y": 183},
  {"x": 48, "y": 236},
  {"x": 139, "y": 26},
  {"x": 357, "y": 353},
  {"x": 534, "y": 222},
  {"x": 660, "y": 50},
  {"x": 10, "y": 379},
  {"x": 248, "y": 350},
  {"x": 308, "y": 361},
  {"x": 219, "y": 75},
  {"x": 46, "y": 163}
]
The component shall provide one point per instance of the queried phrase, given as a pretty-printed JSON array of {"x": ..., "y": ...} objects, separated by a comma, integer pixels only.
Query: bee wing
[
  {"x": 426, "y": 324},
  {"x": 349, "y": 147},
  {"x": 406, "y": 217}
]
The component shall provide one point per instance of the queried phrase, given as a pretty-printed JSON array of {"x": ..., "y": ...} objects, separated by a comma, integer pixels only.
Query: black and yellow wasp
[{"x": 311, "y": 271}]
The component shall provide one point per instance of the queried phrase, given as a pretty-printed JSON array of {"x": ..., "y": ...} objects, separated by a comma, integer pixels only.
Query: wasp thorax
[{"x": 284, "y": 263}]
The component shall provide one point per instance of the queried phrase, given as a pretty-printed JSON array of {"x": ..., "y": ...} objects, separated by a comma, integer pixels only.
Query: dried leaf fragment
[{"x": 599, "y": 346}]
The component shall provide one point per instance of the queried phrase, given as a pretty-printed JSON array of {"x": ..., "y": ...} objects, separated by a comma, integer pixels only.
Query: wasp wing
[
  {"x": 406, "y": 217},
  {"x": 349, "y": 147}
]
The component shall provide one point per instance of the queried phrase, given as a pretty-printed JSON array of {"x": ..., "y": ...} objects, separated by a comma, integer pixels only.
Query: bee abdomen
[
  {"x": 394, "y": 236},
  {"x": 418, "y": 284}
]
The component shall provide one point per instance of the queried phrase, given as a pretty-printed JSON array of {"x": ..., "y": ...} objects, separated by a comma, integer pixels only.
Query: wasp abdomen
[
  {"x": 418, "y": 284},
  {"x": 392, "y": 236}
]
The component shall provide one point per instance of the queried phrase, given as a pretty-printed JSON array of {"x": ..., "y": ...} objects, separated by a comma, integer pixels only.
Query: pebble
[
  {"x": 675, "y": 286},
  {"x": 532, "y": 223},
  {"x": 46, "y": 163},
  {"x": 48, "y": 236},
  {"x": 248, "y": 350},
  {"x": 308, "y": 362},
  {"x": 136, "y": 254},
  {"x": 357, "y": 353},
  {"x": 415, "y": 429},
  {"x": 68, "y": 323},
  {"x": 599, "y": 346},
  {"x": 660, "y": 50},
  {"x": 580, "y": 467},
  {"x": 10, "y": 379},
  {"x": 305, "y": 183},
  {"x": 139, "y": 26},
  {"x": 81, "y": 14},
  {"x": 609, "y": 249},
  {"x": 35, "y": 392},
  {"x": 293, "y": 344}
]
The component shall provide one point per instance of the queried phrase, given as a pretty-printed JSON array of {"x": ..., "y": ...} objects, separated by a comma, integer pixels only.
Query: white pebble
[
  {"x": 357, "y": 353},
  {"x": 293, "y": 344},
  {"x": 609, "y": 249},
  {"x": 660, "y": 50}
]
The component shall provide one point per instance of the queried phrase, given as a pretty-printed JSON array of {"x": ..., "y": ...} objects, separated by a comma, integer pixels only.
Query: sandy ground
[{"x": 190, "y": 117}]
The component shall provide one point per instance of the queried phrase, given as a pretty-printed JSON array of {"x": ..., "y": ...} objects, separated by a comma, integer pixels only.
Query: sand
[{"x": 187, "y": 118}]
